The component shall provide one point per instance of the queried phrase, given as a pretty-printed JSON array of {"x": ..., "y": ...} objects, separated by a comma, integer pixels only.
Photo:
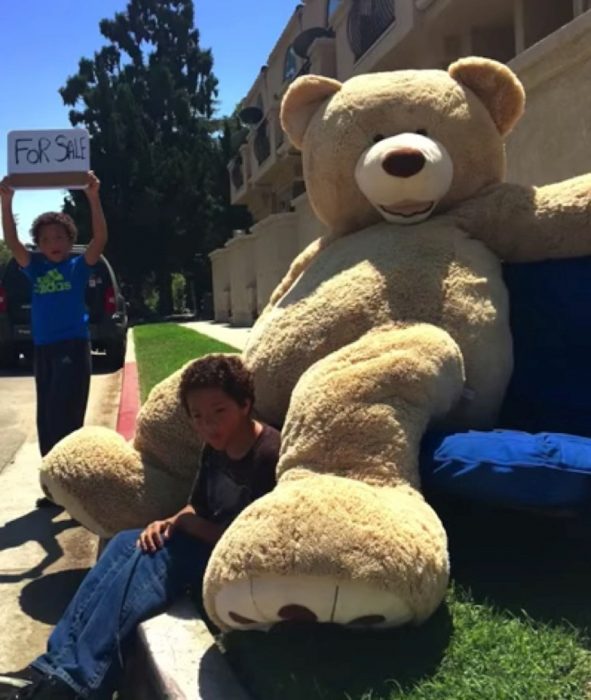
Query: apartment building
[{"x": 546, "y": 42}]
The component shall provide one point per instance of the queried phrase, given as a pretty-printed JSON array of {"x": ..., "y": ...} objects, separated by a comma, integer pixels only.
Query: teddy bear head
[{"x": 403, "y": 144}]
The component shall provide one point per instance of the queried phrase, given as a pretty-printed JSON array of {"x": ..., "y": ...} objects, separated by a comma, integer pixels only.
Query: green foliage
[
  {"x": 147, "y": 100},
  {"x": 179, "y": 293},
  {"x": 515, "y": 626},
  {"x": 5, "y": 254},
  {"x": 162, "y": 348},
  {"x": 150, "y": 295}
]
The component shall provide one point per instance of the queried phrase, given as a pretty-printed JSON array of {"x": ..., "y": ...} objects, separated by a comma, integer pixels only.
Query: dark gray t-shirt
[{"x": 224, "y": 487}]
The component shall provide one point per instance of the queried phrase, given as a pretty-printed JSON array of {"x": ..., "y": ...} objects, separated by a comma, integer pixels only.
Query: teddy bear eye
[
  {"x": 422, "y": 132},
  {"x": 378, "y": 137}
]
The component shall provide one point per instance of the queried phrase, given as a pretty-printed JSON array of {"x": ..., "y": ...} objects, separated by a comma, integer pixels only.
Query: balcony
[
  {"x": 367, "y": 21},
  {"x": 272, "y": 156},
  {"x": 239, "y": 174},
  {"x": 261, "y": 144}
]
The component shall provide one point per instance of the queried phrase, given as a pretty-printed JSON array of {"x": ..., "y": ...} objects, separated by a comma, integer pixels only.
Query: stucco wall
[
  {"x": 275, "y": 246},
  {"x": 220, "y": 273},
  {"x": 553, "y": 140},
  {"x": 242, "y": 280}
]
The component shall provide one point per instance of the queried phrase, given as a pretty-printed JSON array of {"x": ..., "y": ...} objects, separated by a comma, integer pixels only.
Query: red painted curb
[{"x": 129, "y": 403}]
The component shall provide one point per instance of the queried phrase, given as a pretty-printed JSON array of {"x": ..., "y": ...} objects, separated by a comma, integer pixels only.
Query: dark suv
[{"x": 107, "y": 312}]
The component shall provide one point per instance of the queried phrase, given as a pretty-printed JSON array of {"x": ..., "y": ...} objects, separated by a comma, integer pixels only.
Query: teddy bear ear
[
  {"x": 495, "y": 85},
  {"x": 301, "y": 101}
]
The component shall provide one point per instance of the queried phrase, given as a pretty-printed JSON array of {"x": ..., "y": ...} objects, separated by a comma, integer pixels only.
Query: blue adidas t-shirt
[{"x": 58, "y": 309}]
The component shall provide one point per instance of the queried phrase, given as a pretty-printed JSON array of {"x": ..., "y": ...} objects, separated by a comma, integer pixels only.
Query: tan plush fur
[
  {"x": 378, "y": 330},
  {"x": 109, "y": 485}
]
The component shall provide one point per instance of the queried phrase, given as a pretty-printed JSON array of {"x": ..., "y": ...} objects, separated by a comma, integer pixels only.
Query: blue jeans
[{"x": 125, "y": 587}]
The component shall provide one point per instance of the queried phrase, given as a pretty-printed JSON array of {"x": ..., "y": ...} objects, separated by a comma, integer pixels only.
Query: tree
[
  {"x": 5, "y": 254},
  {"x": 147, "y": 100}
]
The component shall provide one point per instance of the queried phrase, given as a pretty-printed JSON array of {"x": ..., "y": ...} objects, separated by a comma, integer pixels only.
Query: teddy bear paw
[
  {"x": 324, "y": 548},
  {"x": 263, "y": 601}
]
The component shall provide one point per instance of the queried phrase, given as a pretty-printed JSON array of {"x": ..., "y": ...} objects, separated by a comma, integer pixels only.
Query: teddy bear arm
[
  {"x": 298, "y": 265},
  {"x": 387, "y": 386},
  {"x": 522, "y": 224},
  {"x": 104, "y": 483}
]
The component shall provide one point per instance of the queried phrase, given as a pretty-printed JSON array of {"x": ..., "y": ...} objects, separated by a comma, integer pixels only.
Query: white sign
[{"x": 51, "y": 158}]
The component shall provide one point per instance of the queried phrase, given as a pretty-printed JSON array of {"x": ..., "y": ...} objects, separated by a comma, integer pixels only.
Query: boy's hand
[
  {"x": 155, "y": 535},
  {"x": 93, "y": 185},
  {"x": 6, "y": 191}
]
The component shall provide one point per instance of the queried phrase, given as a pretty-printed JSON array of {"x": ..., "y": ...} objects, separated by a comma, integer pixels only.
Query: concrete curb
[
  {"x": 129, "y": 404},
  {"x": 177, "y": 657}
]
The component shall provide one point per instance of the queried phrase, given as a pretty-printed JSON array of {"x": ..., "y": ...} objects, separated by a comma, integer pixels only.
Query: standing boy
[
  {"x": 143, "y": 571},
  {"x": 59, "y": 318}
]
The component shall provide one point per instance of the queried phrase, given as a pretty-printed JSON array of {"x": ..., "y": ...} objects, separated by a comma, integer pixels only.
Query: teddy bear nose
[{"x": 403, "y": 162}]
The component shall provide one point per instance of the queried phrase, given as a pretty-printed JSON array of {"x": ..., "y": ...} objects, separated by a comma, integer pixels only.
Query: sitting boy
[{"x": 141, "y": 572}]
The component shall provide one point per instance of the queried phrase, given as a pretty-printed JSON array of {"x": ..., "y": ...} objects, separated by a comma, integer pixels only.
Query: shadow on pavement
[
  {"x": 47, "y": 598},
  {"x": 36, "y": 526}
]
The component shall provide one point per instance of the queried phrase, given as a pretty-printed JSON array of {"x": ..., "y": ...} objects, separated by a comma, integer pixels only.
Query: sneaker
[
  {"x": 31, "y": 684},
  {"x": 9, "y": 682}
]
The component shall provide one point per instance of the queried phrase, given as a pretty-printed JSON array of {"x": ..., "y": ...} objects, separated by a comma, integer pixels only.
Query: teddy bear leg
[
  {"x": 346, "y": 536},
  {"x": 101, "y": 481}
]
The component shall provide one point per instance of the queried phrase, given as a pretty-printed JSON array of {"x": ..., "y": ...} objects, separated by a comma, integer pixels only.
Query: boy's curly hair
[
  {"x": 54, "y": 217},
  {"x": 225, "y": 372}
]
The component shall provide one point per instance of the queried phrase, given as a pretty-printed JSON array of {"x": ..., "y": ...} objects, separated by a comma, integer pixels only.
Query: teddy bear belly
[{"x": 453, "y": 284}]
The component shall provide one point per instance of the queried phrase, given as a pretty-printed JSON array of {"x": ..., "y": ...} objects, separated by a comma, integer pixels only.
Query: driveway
[{"x": 43, "y": 552}]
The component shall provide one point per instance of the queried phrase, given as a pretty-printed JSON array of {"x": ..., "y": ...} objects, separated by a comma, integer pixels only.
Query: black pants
[{"x": 62, "y": 377}]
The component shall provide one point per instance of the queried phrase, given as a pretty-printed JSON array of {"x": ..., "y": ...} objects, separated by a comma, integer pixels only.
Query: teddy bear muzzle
[{"x": 405, "y": 176}]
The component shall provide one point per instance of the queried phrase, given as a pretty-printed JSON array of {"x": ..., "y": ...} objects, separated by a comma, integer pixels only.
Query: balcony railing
[
  {"x": 236, "y": 173},
  {"x": 262, "y": 145},
  {"x": 368, "y": 20}
]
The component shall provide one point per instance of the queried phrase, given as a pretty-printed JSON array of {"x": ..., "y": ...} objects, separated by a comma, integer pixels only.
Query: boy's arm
[
  {"x": 99, "y": 225},
  {"x": 21, "y": 254},
  {"x": 194, "y": 525}
]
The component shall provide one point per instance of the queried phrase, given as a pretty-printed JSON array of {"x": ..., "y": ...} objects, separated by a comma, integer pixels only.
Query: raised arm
[
  {"x": 99, "y": 225},
  {"x": 21, "y": 254},
  {"x": 522, "y": 224}
]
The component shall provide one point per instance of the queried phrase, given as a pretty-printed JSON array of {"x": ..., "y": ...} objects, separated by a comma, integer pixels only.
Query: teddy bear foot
[
  {"x": 324, "y": 548},
  {"x": 264, "y": 601}
]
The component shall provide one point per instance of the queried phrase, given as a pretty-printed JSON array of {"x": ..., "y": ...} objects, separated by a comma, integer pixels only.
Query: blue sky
[{"x": 41, "y": 42}]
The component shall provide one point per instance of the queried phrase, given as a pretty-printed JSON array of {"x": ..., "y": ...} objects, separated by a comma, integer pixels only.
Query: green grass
[
  {"x": 162, "y": 348},
  {"x": 515, "y": 624},
  {"x": 514, "y": 627}
]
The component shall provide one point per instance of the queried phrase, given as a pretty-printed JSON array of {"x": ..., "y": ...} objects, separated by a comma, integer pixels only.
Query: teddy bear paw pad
[{"x": 260, "y": 602}]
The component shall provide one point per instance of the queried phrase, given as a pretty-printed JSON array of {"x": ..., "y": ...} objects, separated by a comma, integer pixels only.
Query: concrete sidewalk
[
  {"x": 44, "y": 554},
  {"x": 223, "y": 332}
]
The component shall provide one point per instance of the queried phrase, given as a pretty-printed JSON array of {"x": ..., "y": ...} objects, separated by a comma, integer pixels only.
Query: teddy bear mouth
[{"x": 408, "y": 208}]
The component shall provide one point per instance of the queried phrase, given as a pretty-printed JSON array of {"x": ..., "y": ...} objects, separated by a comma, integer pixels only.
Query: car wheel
[
  {"x": 8, "y": 357},
  {"x": 115, "y": 353}
]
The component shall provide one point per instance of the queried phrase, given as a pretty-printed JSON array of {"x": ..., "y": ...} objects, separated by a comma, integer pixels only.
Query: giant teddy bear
[{"x": 395, "y": 320}]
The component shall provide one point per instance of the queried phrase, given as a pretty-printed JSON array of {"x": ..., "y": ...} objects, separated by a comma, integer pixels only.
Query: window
[
  {"x": 331, "y": 7},
  {"x": 290, "y": 66},
  {"x": 368, "y": 20}
]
